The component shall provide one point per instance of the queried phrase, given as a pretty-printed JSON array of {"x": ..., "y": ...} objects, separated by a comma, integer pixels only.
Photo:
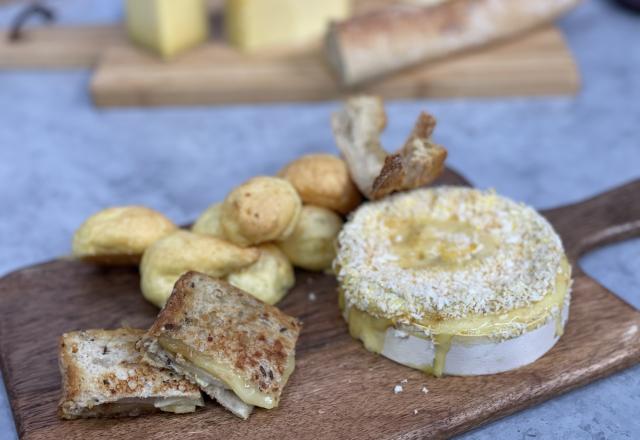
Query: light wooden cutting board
[
  {"x": 338, "y": 389},
  {"x": 56, "y": 47},
  {"x": 536, "y": 64}
]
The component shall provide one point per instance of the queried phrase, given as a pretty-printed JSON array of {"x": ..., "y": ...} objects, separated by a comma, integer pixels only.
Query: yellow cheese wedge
[
  {"x": 167, "y": 27},
  {"x": 256, "y": 24}
]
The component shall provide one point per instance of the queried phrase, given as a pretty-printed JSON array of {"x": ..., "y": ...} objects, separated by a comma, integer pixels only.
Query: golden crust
[
  {"x": 268, "y": 279},
  {"x": 233, "y": 328},
  {"x": 357, "y": 129},
  {"x": 119, "y": 235},
  {"x": 260, "y": 210},
  {"x": 311, "y": 246},
  {"x": 167, "y": 259},
  {"x": 70, "y": 375},
  {"x": 417, "y": 164},
  {"x": 388, "y": 39},
  {"x": 323, "y": 180},
  {"x": 209, "y": 222}
]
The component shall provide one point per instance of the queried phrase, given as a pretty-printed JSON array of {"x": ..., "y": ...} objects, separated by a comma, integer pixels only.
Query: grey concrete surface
[{"x": 61, "y": 160}]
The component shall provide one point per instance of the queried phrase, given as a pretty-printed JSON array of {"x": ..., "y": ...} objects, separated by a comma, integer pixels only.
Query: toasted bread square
[
  {"x": 103, "y": 376},
  {"x": 238, "y": 349}
]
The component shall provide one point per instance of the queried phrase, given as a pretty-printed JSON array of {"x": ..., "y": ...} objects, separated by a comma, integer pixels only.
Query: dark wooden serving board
[{"x": 338, "y": 390}]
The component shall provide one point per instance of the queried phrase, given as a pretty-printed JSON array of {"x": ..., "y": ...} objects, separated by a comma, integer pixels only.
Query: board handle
[{"x": 606, "y": 218}]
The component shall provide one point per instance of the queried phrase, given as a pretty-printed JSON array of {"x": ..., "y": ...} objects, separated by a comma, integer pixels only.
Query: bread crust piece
[
  {"x": 371, "y": 45},
  {"x": 417, "y": 164},
  {"x": 102, "y": 373},
  {"x": 357, "y": 128},
  {"x": 252, "y": 340}
]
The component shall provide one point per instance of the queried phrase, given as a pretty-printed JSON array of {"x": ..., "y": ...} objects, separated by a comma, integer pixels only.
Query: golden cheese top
[{"x": 446, "y": 253}]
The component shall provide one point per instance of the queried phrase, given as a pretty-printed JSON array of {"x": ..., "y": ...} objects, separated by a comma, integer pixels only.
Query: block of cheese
[
  {"x": 256, "y": 24},
  {"x": 167, "y": 27}
]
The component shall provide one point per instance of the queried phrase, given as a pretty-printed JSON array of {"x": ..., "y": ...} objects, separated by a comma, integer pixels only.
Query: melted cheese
[
  {"x": 247, "y": 391},
  {"x": 532, "y": 316},
  {"x": 176, "y": 405},
  {"x": 371, "y": 330},
  {"x": 447, "y": 245}
]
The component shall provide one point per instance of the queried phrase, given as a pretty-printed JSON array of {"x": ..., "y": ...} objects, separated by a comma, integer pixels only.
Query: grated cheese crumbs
[
  {"x": 397, "y": 389},
  {"x": 517, "y": 270}
]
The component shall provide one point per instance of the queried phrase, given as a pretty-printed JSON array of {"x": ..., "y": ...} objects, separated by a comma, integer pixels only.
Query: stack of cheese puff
[{"x": 253, "y": 238}]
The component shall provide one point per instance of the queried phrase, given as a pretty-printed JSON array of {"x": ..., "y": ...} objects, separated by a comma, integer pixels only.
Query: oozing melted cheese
[
  {"x": 247, "y": 391},
  {"x": 371, "y": 330},
  {"x": 176, "y": 405}
]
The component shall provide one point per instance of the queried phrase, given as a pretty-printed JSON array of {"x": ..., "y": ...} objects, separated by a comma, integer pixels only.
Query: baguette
[{"x": 374, "y": 44}]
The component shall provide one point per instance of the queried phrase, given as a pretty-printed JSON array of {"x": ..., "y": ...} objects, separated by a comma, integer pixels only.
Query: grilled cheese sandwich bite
[
  {"x": 239, "y": 350},
  {"x": 103, "y": 376},
  {"x": 453, "y": 281}
]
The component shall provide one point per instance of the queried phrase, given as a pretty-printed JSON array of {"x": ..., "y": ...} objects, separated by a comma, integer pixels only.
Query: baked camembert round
[{"x": 453, "y": 280}]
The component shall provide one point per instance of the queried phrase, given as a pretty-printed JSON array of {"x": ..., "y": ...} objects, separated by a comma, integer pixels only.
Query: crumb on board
[
  {"x": 415, "y": 411},
  {"x": 425, "y": 390},
  {"x": 312, "y": 296},
  {"x": 397, "y": 389}
]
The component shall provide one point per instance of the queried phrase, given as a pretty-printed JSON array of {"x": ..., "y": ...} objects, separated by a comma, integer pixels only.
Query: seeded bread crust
[
  {"x": 230, "y": 327},
  {"x": 102, "y": 368}
]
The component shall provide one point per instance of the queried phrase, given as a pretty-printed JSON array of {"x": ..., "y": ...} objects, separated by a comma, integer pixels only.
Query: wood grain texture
[
  {"x": 58, "y": 47},
  {"x": 338, "y": 390},
  {"x": 538, "y": 63}
]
